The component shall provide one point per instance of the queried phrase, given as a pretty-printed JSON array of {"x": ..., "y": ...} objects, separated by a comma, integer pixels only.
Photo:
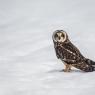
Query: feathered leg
[{"x": 67, "y": 67}]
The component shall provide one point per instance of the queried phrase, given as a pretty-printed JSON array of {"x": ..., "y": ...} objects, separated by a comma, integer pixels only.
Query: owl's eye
[
  {"x": 62, "y": 35},
  {"x": 56, "y": 36}
]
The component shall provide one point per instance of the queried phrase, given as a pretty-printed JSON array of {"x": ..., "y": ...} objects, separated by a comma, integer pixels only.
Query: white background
[{"x": 28, "y": 65}]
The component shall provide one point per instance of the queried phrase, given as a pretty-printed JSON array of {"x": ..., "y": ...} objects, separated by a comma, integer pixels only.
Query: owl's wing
[
  {"x": 73, "y": 54},
  {"x": 72, "y": 48}
]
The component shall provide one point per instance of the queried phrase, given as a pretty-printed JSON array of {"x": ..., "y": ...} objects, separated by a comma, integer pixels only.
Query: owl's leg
[
  {"x": 70, "y": 67},
  {"x": 67, "y": 67}
]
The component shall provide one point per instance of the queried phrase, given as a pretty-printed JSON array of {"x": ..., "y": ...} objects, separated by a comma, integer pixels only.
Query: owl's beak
[{"x": 59, "y": 38}]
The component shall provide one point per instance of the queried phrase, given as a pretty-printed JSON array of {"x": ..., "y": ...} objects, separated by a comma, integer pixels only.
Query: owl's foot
[{"x": 67, "y": 68}]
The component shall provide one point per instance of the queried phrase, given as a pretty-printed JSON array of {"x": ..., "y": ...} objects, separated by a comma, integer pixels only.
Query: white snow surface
[{"x": 28, "y": 64}]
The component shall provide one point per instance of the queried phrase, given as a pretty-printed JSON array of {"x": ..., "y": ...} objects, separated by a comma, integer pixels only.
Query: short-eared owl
[{"x": 70, "y": 54}]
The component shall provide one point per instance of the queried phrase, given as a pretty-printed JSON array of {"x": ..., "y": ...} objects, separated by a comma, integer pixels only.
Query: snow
[{"x": 28, "y": 64}]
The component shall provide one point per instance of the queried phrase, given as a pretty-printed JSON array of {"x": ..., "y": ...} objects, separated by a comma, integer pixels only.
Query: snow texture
[{"x": 28, "y": 64}]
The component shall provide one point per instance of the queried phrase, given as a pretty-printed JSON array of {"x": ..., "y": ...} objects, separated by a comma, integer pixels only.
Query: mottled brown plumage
[{"x": 69, "y": 53}]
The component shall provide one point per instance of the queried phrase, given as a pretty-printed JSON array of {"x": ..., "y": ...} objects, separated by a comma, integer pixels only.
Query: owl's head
[{"x": 59, "y": 36}]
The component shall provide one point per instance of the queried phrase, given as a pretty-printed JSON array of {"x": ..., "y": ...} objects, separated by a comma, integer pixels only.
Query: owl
[{"x": 69, "y": 54}]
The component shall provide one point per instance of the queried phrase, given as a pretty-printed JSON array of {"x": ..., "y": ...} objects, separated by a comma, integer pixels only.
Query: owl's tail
[
  {"x": 89, "y": 69},
  {"x": 84, "y": 66},
  {"x": 91, "y": 65},
  {"x": 90, "y": 62}
]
